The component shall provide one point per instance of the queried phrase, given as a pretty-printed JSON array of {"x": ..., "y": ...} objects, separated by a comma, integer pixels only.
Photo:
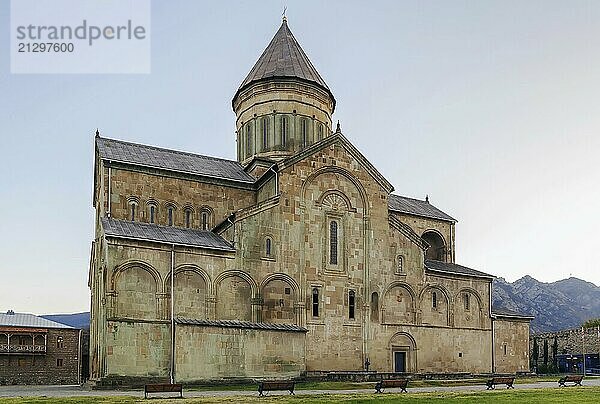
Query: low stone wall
[{"x": 212, "y": 353}]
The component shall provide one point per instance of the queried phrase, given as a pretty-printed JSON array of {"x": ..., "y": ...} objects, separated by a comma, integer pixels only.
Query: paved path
[{"x": 73, "y": 391}]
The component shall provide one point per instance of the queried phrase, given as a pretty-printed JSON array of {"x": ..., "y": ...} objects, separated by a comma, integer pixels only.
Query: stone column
[
  {"x": 256, "y": 303},
  {"x": 211, "y": 307}
]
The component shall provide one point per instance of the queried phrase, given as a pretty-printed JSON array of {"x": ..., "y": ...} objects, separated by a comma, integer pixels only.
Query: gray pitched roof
[
  {"x": 165, "y": 234},
  {"x": 284, "y": 57},
  {"x": 455, "y": 269},
  {"x": 172, "y": 160},
  {"x": 416, "y": 207},
  {"x": 240, "y": 324},
  {"x": 28, "y": 320},
  {"x": 502, "y": 312}
]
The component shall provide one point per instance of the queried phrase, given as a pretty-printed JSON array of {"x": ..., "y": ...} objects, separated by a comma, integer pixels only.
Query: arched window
[
  {"x": 265, "y": 133},
  {"x": 268, "y": 246},
  {"x": 351, "y": 304},
  {"x": 170, "y": 212},
  {"x": 400, "y": 264},
  {"x": 333, "y": 242},
  {"x": 132, "y": 206},
  {"x": 188, "y": 218},
  {"x": 315, "y": 302},
  {"x": 434, "y": 300},
  {"x": 284, "y": 130},
  {"x": 205, "y": 218},
  {"x": 374, "y": 306},
  {"x": 466, "y": 301},
  {"x": 152, "y": 213},
  {"x": 248, "y": 140},
  {"x": 133, "y": 203}
]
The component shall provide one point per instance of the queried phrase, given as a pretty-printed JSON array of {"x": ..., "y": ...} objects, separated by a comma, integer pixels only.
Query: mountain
[
  {"x": 77, "y": 320},
  {"x": 558, "y": 305}
]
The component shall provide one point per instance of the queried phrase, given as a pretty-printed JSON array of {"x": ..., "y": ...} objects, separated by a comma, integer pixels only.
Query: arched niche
[
  {"x": 398, "y": 306},
  {"x": 233, "y": 292},
  {"x": 437, "y": 245},
  {"x": 135, "y": 285}
]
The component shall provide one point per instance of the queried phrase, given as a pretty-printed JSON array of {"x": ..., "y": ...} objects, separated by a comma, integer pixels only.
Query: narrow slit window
[
  {"x": 304, "y": 127},
  {"x": 188, "y": 218},
  {"x": 434, "y": 300},
  {"x": 170, "y": 216},
  {"x": 59, "y": 342},
  {"x": 320, "y": 131},
  {"x": 466, "y": 301},
  {"x": 351, "y": 304},
  {"x": 152, "y": 213},
  {"x": 284, "y": 130},
  {"x": 248, "y": 140},
  {"x": 268, "y": 247},
  {"x": 132, "y": 212},
  {"x": 265, "y": 133},
  {"x": 333, "y": 242},
  {"x": 315, "y": 302},
  {"x": 204, "y": 221}
]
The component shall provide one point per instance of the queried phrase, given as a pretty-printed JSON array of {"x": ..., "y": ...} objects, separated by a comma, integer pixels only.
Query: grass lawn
[
  {"x": 369, "y": 385},
  {"x": 541, "y": 396}
]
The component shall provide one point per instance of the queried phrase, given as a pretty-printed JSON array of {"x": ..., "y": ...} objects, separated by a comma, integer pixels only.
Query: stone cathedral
[{"x": 296, "y": 258}]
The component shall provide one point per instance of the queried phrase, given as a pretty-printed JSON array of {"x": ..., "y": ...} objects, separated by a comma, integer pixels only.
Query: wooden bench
[
  {"x": 491, "y": 383},
  {"x": 271, "y": 385},
  {"x": 163, "y": 388},
  {"x": 575, "y": 379},
  {"x": 392, "y": 383}
]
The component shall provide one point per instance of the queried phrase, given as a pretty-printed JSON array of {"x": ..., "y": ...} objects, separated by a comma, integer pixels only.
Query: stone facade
[
  {"x": 315, "y": 245},
  {"x": 56, "y": 359}
]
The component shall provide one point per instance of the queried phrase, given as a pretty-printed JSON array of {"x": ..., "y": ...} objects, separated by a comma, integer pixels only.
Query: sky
[{"x": 489, "y": 107}]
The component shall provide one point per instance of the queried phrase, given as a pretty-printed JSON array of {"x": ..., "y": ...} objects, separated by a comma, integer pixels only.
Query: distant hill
[
  {"x": 77, "y": 320},
  {"x": 558, "y": 305}
]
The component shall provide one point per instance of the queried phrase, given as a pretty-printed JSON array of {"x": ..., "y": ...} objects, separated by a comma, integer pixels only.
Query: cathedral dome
[
  {"x": 284, "y": 58},
  {"x": 283, "y": 105}
]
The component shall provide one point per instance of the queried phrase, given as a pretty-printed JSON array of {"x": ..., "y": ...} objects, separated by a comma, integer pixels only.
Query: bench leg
[
  {"x": 292, "y": 392},
  {"x": 403, "y": 390}
]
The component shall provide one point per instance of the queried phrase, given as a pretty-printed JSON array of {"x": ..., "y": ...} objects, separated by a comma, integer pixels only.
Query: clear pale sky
[{"x": 490, "y": 107}]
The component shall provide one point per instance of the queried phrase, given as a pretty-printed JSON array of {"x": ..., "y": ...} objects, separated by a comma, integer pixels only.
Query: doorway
[{"x": 399, "y": 362}]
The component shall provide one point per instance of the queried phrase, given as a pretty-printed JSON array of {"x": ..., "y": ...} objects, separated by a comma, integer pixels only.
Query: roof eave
[
  {"x": 441, "y": 271},
  {"x": 450, "y": 220}
]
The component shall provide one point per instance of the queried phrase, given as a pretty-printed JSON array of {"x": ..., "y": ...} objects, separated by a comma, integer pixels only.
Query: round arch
[
  {"x": 189, "y": 268},
  {"x": 241, "y": 274},
  {"x": 344, "y": 173},
  {"x": 437, "y": 245},
  {"x": 284, "y": 278},
  {"x": 403, "y": 352},
  {"x": 118, "y": 270}
]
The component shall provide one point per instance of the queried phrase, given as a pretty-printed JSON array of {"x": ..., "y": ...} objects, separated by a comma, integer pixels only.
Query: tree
[
  {"x": 592, "y": 323},
  {"x": 536, "y": 352},
  {"x": 546, "y": 352},
  {"x": 554, "y": 353}
]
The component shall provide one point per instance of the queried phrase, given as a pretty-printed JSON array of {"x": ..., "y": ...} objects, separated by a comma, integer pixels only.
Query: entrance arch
[{"x": 403, "y": 353}]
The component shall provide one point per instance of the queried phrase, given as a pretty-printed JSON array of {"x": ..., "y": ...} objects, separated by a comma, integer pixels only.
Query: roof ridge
[
  {"x": 408, "y": 197},
  {"x": 169, "y": 150}
]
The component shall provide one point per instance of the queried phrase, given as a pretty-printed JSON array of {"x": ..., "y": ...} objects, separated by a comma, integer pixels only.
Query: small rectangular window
[
  {"x": 59, "y": 362},
  {"x": 351, "y": 304},
  {"x": 315, "y": 302}
]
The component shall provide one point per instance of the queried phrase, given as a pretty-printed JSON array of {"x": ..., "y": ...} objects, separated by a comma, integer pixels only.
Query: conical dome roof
[{"x": 284, "y": 58}]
